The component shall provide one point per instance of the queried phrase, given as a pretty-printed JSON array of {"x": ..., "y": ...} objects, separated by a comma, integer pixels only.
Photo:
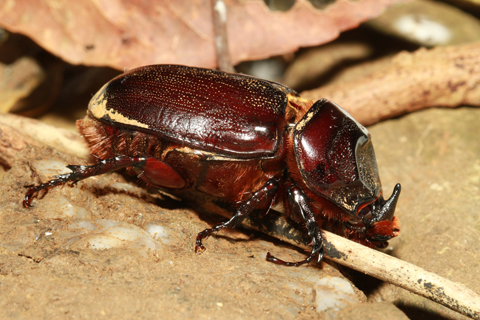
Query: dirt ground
[{"x": 109, "y": 249}]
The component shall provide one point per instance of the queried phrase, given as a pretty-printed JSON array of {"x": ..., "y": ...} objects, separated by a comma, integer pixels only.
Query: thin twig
[
  {"x": 439, "y": 77},
  {"x": 366, "y": 260},
  {"x": 403, "y": 274},
  {"x": 219, "y": 10}
]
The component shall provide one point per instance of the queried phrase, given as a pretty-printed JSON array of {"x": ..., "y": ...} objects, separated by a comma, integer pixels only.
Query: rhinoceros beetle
[{"x": 251, "y": 142}]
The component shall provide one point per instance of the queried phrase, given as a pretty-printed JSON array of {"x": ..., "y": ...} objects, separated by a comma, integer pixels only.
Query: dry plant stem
[
  {"x": 403, "y": 274},
  {"x": 384, "y": 267},
  {"x": 361, "y": 258},
  {"x": 219, "y": 9},
  {"x": 443, "y": 77}
]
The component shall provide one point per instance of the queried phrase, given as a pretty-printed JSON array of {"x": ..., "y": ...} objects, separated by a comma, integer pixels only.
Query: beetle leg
[
  {"x": 267, "y": 192},
  {"x": 153, "y": 168},
  {"x": 300, "y": 205}
]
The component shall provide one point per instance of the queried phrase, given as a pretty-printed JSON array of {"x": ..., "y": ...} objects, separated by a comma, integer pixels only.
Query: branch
[
  {"x": 361, "y": 258},
  {"x": 439, "y": 77}
]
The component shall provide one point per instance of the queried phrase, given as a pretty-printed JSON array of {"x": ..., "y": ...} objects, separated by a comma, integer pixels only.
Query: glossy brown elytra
[{"x": 252, "y": 142}]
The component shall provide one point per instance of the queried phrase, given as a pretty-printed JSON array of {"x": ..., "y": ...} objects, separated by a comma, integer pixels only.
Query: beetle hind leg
[
  {"x": 157, "y": 171},
  {"x": 266, "y": 193},
  {"x": 78, "y": 173},
  {"x": 300, "y": 206}
]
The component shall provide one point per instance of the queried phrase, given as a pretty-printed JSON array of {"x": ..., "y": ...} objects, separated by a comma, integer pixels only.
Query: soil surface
[{"x": 107, "y": 248}]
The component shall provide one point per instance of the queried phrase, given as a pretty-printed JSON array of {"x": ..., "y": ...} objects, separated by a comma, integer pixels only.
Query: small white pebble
[
  {"x": 106, "y": 223},
  {"x": 334, "y": 293},
  {"x": 158, "y": 232},
  {"x": 87, "y": 225},
  {"x": 104, "y": 234},
  {"x": 50, "y": 167},
  {"x": 101, "y": 242}
]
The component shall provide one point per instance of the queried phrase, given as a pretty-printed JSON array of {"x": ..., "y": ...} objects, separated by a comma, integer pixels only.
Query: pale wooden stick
[
  {"x": 403, "y": 274},
  {"x": 366, "y": 260},
  {"x": 63, "y": 140}
]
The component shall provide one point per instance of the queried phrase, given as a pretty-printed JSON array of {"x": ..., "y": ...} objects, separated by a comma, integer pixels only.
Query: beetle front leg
[
  {"x": 266, "y": 193},
  {"x": 300, "y": 206}
]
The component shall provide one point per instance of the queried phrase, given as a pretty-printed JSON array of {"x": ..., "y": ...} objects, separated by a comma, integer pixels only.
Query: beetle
[{"x": 253, "y": 143}]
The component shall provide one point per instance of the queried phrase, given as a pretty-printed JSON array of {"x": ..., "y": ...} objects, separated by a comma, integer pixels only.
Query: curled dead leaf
[{"x": 125, "y": 34}]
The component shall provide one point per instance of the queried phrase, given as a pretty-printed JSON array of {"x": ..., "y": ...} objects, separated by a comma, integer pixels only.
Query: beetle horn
[{"x": 388, "y": 209}]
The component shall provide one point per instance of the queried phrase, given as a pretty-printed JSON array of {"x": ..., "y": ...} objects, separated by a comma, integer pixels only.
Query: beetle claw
[
  {"x": 199, "y": 247},
  {"x": 31, "y": 194},
  {"x": 317, "y": 250},
  {"x": 27, "y": 201},
  {"x": 321, "y": 253}
]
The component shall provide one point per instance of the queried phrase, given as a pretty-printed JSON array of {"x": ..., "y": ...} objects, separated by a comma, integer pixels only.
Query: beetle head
[{"x": 336, "y": 160}]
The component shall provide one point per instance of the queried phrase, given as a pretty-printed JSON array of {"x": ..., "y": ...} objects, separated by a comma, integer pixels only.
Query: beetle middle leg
[
  {"x": 266, "y": 193},
  {"x": 300, "y": 206}
]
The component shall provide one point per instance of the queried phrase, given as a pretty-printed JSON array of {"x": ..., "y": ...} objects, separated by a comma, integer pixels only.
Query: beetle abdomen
[
  {"x": 220, "y": 177},
  {"x": 106, "y": 141}
]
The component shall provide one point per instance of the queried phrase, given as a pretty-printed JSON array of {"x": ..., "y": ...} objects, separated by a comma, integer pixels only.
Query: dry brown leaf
[
  {"x": 440, "y": 77},
  {"x": 125, "y": 34}
]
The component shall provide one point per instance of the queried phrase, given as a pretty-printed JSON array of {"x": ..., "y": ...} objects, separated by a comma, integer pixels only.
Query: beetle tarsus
[
  {"x": 271, "y": 258},
  {"x": 32, "y": 192},
  {"x": 317, "y": 250},
  {"x": 275, "y": 260},
  {"x": 199, "y": 247}
]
